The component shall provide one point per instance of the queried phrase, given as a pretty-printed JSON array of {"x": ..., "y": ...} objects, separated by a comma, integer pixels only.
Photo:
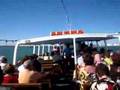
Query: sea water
[{"x": 22, "y": 51}]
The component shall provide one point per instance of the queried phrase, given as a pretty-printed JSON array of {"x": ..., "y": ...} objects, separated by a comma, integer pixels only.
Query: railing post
[
  {"x": 15, "y": 53},
  {"x": 33, "y": 49},
  {"x": 75, "y": 55},
  {"x": 38, "y": 50}
]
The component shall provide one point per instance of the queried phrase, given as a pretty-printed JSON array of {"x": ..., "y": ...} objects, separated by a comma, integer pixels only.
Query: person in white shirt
[{"x": 3, "y": 62}]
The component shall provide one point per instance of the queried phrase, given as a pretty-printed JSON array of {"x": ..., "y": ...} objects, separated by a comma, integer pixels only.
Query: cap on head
[{"x": 3, "y": 59}]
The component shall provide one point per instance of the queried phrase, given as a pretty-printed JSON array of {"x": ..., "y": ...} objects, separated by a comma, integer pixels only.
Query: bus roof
[{"x": 67, "y": 38}]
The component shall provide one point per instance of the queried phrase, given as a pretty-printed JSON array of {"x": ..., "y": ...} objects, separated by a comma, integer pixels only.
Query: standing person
[
  {"x": 76, "y": 77},
  {"x": 76, "y": 73},
  {"x": 104, "y": 82},
  {"x": 108, "y": 60},
  {"x": 56, "y": 49},
  {"x": 87, "y": 71},
  {"x": 57, "y": 58},
  {"x": 96, "y": 56},
  {"x": 67, "y": 51},
  {"x": 80, "y": 59}
]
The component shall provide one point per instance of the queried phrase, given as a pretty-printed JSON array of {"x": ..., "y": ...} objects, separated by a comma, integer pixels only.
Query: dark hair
[
  {"x": 36, "y": 65},
  {"x": 25, "y": 59},
  {"x": 32, "y": 65},
  {"x": 28, "y": 64},
  {"x": 116, "y": 59},
  {"x": 4, "y": 60},
  {"x": 9, "y": 69},
  {"x": 107, "y": 54},
  {"x": 102, "y": 50},
  {"x": 102, "y": 69},
  {"x": 34, "y": 56},
  {"x": 88, "y": 59}
]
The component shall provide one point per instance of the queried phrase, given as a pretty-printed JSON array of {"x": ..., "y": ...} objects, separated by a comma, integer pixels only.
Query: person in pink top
[
  {"x": 97, "y": 59},
  {"x": 96, "y": 56},
  {"x": 89, "y": 64}
]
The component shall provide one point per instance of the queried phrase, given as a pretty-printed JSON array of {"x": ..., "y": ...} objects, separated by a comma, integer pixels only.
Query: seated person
[
  {"x": 3, "y": 62},
  {"x": 9, "y": 74},
  {"x": 1, "y": 75},
  {"x": 104, "y": 82},
  {"x": 30, "y": 74}
]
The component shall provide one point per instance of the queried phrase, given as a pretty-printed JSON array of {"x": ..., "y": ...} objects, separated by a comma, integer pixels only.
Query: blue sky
[{"x": 20, "y": 19}]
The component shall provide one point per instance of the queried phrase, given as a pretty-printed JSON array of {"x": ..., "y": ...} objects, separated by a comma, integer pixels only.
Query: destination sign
[{"x": 70, "y": 32}]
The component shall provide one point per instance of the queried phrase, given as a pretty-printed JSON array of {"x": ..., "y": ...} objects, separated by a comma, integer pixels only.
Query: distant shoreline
[{"x": 33, "y": 45}]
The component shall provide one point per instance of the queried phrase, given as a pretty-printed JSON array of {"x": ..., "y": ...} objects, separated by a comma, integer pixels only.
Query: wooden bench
[
  {"x": 44, "y": 84},
  {"x": 17, "y": 86},
  {"x": 47, "y": 65}
]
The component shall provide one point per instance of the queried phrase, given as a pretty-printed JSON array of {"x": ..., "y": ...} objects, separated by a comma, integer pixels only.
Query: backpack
[
  {"x": 91, "y": 78},
  {"x": 116, "y": 86},
  {"x": 110, "y": 85},
  {"x": 104, "y": 84}
]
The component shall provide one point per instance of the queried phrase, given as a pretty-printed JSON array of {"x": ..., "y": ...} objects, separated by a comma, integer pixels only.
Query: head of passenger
[
  {"x": 102, "y": 70},
  {"x": 34, "y": 57},
  {"x": 3, "y": 59},
  {"x": 88, "y": 59},
  {"x": 9, "y": 69},
  {"x": 37, "y": 65},
  {"x": 28, "y": 65},
  {"x": 25, "y": 59},
  {"x": 34, "y": 65},
  {"x": 107, "y": 54}
]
